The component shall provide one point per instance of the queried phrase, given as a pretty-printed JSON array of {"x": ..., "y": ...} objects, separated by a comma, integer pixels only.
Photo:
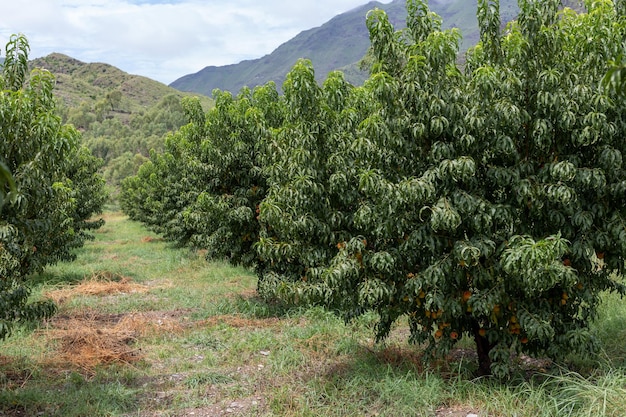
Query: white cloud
[{"x": 164, "y": 39}]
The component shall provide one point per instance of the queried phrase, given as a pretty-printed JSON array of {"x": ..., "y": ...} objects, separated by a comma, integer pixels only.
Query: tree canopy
[
  {"x": 483, "y": 201},
  {"x": 49, "y": 185}
]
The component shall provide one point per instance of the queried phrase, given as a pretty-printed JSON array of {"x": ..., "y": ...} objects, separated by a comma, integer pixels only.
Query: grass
[{"x": 145, "y": 329}]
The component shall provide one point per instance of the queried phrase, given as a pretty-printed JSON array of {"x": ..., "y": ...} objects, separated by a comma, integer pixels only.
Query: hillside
[
  {"x": 340, "y": 43},
  {"x": 121, "y": 116},
  {"x": 79, "y": 82}
]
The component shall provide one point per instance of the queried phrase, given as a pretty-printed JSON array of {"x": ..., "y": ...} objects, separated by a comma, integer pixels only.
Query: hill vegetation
[
  {"x": 78, "y": 82},
  {"x": 121, "y": 116}
]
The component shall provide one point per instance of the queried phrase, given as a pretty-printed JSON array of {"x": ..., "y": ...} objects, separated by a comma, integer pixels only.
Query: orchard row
[{"x": 483, "y": 200}]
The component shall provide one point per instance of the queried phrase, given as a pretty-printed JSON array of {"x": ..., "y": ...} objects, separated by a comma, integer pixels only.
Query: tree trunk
[{"x": 482, "y": 348}]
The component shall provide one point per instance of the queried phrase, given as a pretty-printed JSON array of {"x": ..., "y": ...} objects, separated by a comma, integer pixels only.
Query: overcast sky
[{"x": 163, "y": 39}]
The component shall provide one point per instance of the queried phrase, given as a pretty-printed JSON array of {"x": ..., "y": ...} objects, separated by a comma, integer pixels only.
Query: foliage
[
  {"x": 7, "y": 183},
  {"x": 308, "y": 205},
  {"x": 615, "y": 78},
  {"x": 224, "y": 214},
  {"x": 487, "y": 203},
  {"x": 55, "y": 192},
  {"x": 205, "y": 188}
]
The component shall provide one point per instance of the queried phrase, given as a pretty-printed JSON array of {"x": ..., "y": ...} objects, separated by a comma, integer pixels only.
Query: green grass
[{"x": 209, "y": 346}]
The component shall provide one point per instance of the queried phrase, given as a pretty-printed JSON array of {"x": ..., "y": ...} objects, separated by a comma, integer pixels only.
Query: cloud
[{"x": 164, "y": 39}]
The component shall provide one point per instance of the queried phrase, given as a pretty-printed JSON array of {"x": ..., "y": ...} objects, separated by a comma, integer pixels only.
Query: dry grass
[
  {"x": 89, "y": 340},
  {"x": 99, "y": 284}
]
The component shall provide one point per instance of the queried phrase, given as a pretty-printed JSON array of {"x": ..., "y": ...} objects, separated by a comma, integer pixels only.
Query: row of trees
[
  {"x": 49, "y": 186},
  {"x": 486, "y": 201}
]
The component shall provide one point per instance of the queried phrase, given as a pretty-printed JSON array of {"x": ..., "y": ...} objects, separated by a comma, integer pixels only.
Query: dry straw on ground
[
  {"x": 100, "y": 283},
  {"x": 87, "y": 339},
  {"x": 90, "y": 339}
]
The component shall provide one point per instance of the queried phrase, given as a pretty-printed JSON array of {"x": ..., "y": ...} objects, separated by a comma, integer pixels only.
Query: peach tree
[
  {"x": 487, "y": 202},
  {"x": 224, "y": 214},
  {"x": 167, "y": 183},
  {"x": 308, "y": 210},
  {"x": 204, "y": 190},
  {"x": 52, "y": 191}
]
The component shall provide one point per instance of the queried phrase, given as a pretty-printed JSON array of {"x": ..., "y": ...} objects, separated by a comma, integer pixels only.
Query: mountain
[{"x": 339, "y": 43}]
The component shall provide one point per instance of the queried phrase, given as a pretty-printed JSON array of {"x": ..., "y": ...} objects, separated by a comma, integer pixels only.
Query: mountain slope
[
  {"x": 79, "y": 82},
  {"x": 121, "y": 116},
  {"x": 340, "y": 43}
]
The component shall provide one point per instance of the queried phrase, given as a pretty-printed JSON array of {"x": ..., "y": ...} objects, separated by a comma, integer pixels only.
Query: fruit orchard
[
  {"x": 484, "y": 201},
  {"x": 49, "y": 186}
]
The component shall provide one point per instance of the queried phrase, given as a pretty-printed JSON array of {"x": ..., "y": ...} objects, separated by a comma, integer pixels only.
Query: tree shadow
[
  {"x": 253, "y": 305},
  {"x": 55, "y": 278}
]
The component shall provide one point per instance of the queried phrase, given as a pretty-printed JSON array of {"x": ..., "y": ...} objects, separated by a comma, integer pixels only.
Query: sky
[{"x": 163, "y": 39}]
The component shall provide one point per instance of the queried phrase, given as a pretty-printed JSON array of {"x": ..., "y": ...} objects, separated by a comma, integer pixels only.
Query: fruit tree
[
  {"x": 487, "y": 202},
  {"x": 49, "y": 185}
]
